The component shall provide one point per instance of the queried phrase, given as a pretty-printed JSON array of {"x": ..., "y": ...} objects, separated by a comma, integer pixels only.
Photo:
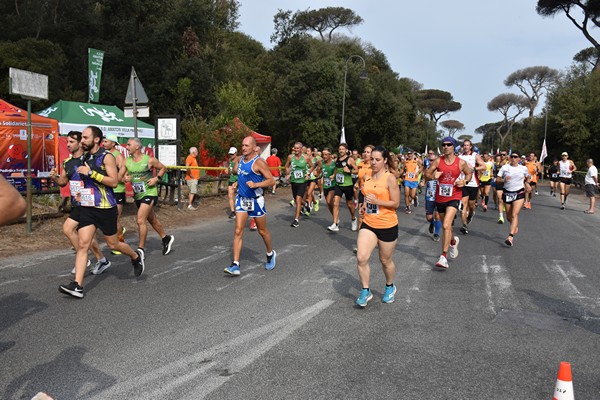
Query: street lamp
[{"x": 363, "y": 75}]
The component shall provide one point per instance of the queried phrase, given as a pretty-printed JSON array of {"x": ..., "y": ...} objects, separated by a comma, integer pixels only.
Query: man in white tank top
[
  {"x": 470, "y": 190},
  {"x": 566, "y": 168}
]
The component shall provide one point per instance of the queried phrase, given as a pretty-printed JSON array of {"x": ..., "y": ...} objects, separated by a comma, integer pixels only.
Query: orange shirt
[
  {"x": 364, "y": 170},
  {"x": 377, "y": 216},
  {"x": 411, "y": 170},
  {"x": 532, "y": 168},
  {"x": 191, "y": 174}
]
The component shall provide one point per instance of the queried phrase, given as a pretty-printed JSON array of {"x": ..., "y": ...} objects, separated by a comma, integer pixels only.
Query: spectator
[
  {"x": 591, "y": 182},
  {"x": 274, "y": 163},
  {"x": 192, "y": 176}
]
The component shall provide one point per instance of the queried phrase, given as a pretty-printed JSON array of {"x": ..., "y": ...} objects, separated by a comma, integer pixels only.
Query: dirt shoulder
[{"x": 47, "y": 233}]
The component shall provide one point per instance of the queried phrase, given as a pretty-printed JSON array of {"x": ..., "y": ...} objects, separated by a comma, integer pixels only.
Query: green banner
[{"x": 96, "y": 58}]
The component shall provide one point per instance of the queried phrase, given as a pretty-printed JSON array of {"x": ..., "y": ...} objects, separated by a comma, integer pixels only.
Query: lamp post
[{"x": 363, "y": 75}]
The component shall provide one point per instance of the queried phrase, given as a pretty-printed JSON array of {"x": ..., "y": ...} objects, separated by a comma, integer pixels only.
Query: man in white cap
[
  {"x": 110, "y": 143},
  {"x": 191, "y": 176},
  {"x": 232, "y": 186}
]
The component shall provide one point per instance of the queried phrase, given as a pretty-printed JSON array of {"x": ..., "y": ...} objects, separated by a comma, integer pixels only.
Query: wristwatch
[{"x": 89, "y": 172}]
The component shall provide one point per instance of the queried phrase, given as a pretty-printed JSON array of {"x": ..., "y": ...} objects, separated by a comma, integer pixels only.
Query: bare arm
[
  {"x": 61, "y": 180},
  {"x": 260, "y": 167},
  {"x": 479, "y": 163},
  {"x": 154, "y": 163},
  {"x": 430, "y": 172},
  {"x": 12, "y": 204}
]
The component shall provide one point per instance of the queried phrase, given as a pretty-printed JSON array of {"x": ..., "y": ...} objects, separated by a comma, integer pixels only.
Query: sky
[{"x": 465, "y": 47}]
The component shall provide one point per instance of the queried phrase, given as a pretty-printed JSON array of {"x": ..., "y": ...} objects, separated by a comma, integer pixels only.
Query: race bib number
[
  {"x": 75, "y": 187},
  {"x": 139, "y": 187},
  {"x": 86, "y": 198},
  {"x": 411, "y": 175},
  {"x": 327, "y": 181},
  {"x": 555, "y": 175},
  {"x": 298, "y": 174},
  {"x": 354, "y": 176},
  {"x": 339, "y": 178},
  {"x": 446, "y": 190},
  {"x": 486, "y": 173},
  {"x": 510, "y": 197},
  {"x": 371, "y": 208},
  {"x": 247, "y": 203},
  {"x": 429, "y": 193}
]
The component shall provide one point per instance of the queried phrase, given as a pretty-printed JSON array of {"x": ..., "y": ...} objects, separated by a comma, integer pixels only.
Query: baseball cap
[
  {"x": 232, "y": 150},
  {"x": 565, "y": 154},
  {"x": 112, "y": 137},
  {"x": 449, "y": 140}
]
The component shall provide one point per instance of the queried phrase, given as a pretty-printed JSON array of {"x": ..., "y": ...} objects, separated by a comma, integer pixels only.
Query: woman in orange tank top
[{"x": 380, "y": 225}]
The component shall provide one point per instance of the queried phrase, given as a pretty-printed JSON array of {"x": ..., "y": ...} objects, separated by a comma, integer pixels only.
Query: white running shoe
[
  {"x": 101, "y": 267},
  {"x": 442, "y": 263},
  {"x": 88, "y": 265},
  {"x": 333, "y": 228},
  {"x": 354, "y": 225},
  {"x": 453, "y": 250}
]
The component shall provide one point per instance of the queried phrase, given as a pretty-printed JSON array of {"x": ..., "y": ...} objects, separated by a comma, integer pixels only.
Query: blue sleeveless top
[{"x": 245, "y": 175}]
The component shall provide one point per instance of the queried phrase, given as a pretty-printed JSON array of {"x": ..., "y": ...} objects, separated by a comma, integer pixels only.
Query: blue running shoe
[
  {"x": 271, "y": 261},
  {"x": 388, "y": 295},
  {"x": 233, "y": 269},
  {"x": 364, "y": 297}
]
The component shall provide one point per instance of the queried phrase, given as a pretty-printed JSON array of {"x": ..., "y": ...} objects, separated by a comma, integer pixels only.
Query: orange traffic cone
[{"x": 564, "y": 383}]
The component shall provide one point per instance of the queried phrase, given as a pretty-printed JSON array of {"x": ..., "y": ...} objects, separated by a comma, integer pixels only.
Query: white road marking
[
  {"x": 498, "y": 285},
  {"x": 229, "y": 357},
  {"x": 561, "y": 270}
]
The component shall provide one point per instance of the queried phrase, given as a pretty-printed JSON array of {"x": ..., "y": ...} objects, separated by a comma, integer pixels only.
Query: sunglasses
[
  {"x": 431, "y": 154},
  {"x": 503, "y": 155},
  {"x": 514, "y": 156},
  {"x": 447, "y": 145}
]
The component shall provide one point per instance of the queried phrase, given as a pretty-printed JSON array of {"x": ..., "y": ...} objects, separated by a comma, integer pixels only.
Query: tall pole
[
  {"x": 345, "y": 77},
  {"x": 29, "y": 205},
  {"x": 134, "y": 99}
]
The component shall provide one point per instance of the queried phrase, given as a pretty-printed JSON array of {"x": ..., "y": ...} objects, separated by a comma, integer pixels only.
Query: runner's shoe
[
  {"x": 100, "y": 267},
  {"x": 407, "y": 210},
  {"x": 334, "y": 227},
  {"x": 470, "y": 218},
  {"x": 233, "y": 270},
  {"x": 292, "y": 203},
  {"x": 143, "y": 252},
  {"x": 232, "y": 215},
  {"x": 253, "y": 224},
  {"x": 295, "y": 224},
  {"x": 453, "y": 249},
  {"x": 436, "y": 238},
  {"x": 509, "y": 241},
  {"x": 431, "y": 227},
  {"x": 562, "y": 206},
  {"x": 167, "y": 242},
  {"x": 72, "y": 289},
  {"x": 484, "y": 207},
  {"x": 316, "y": 205},
  {"x": 138, "y": 263},
  {"x": 364, "y": 297},
  {"x": 501, "y": 219},
  {"x": 416, "y": 201},
  {"x": 115, "y": 252},
  {"x": 388, "y": 294},
  {"x": 464, "y": 230},
  {"x": 442, "y": 263},
  {"x": 354, "y": 225},
  {"x": 87, "y": 266},
  {"x": 271, "y": 261}
]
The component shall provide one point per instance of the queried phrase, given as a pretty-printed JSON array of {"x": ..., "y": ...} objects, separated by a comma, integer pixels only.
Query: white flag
[
  {"x": 544, "y": 152},
  {"x": 425, "y": 149},
  {"x": 439, "y": 152},
  {"x": 343, "y": 137}
]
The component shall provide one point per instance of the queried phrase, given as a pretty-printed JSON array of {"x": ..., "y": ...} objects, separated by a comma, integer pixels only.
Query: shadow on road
[
  {"x": 65, "y": 377},
  {"x": 13, "y": 309}
]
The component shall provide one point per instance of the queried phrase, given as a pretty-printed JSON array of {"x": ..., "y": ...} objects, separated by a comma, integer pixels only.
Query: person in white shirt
[
  {"x": 566, "y": 168},
  {"x": 591, "y": 182},
  {"x": 515, "y": 178}
]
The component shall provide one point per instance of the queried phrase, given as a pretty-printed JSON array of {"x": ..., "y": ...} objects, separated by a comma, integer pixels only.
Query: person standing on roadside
[
  {"x": 379, "y": 227},
  {"x": 447, "y": 171},
  {"x": 98, "y": 208},
  {"x": 191, "y": 176},
  {"x": 140, "y": 172},
  {"x": 254, "y": 177},
  {"x": 274, "y": 162},
  {"x": 591, "y": 183},
  {"x": 515, "y": 178},
  {"x": 110, "y": 144},
  {"x": 70, "y": 176},
  {"x": 566, "y": 168}
]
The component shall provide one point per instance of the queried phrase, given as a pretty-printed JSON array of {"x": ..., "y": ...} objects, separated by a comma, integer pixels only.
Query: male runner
[
  {"x": 533, "y": 167},
  {"x": 500, "y": 186},
  {"x": 432, "y": 216},
  {"x": 140, "y": 172},
  {"x": 274, "y": 163},
  {"x": 566, "y": 168},
  {"x": 110, "y": 143},
  {"x": 298, "y": 168},
  {"x": 485, "y": 180},
  {"x": 470, "y": 190},
  {"x": 98, "y": 208},
  {"x": 447, "y": 171},
  {"x": 344, "y": 168},
  {"x": 254, "y": 177},
  {"x": 410, "y": 171}
]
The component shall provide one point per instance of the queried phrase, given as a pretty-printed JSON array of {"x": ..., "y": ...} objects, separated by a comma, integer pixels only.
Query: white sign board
[
  {"x": 167, "y": 129},
  {"x": 142, "y": 112},
  {"x": 28, "y": 84},
  {"x": 167, "y": 154}
]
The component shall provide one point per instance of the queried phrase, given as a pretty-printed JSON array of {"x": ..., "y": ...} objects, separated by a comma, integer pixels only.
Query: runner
[
  {"x": 98, "y": 208},
  {"x": 566, "y": 168},
  {"x": 140, "y": 168},
  {"x": 553, "y": 172},
  {"x": 515, "y": 178},
  {"x": 500, "y": 187},
  {"x": 254, "y": 177},
  {"x": 232, "y": 184},
  {"x": 274, "y": 163},
  {"x": 431, "y": 214},
  {"x": 70, "y": 176},
  {"x": 364, "y": 171},
  {"x": 191, "y": 176},
  {"x": 470, "y": 190},
  {"x": 533, "y": 167},
  {"x": 485, "y": 180},
  {"x": 311, "y": 183},
  {"x": 328, "y": 178},
  {"x": 410, "y": 170},
  {"x": 380, "y": 226},
  {"x": 344, "y": 168},
  {"x": 447, "y": 171},
  {"x": 298, "y": 168}
]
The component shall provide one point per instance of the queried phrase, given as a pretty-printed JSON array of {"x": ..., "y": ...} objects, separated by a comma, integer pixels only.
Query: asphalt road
[{"x": 495, "y": 325}]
